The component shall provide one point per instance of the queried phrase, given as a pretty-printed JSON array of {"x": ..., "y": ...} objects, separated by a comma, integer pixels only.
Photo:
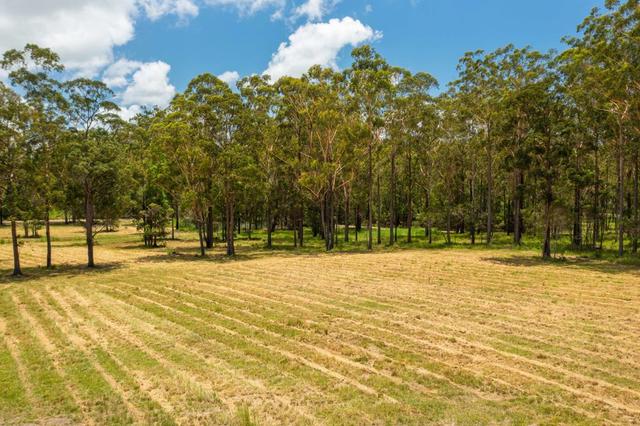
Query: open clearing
[{"x": 406, "y": 336}]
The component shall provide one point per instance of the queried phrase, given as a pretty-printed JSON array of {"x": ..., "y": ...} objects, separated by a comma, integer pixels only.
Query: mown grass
[{"x": 411, "y": 334}]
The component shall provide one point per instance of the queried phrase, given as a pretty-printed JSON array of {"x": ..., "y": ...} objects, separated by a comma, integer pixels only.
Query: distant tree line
[{"x": 522, "y": 142}]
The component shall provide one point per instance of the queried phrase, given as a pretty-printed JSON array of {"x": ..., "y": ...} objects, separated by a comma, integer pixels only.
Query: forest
[{"x": 522, "y": 143}]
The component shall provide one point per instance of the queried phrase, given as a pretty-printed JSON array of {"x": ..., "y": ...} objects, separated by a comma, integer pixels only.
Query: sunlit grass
[{"x": 412, "y": 334}]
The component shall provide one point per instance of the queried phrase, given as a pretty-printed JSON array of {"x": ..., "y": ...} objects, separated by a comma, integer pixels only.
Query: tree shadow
[
  {"x": 597, "y": 265},
  {"x": 35, "y": 273}
]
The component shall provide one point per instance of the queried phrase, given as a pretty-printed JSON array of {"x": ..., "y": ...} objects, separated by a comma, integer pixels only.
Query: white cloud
[
  {"x": 157, "y": 8},
  {"x": 149, "y": 86},
  {"x": 314, "y": 10},
  {"x": 127, "y": 113},
  {"x": 229, "y": 77},
  {"x": 82, "y": 32},
  {"x": 249, "y": 7},
  {"x": 318, "y": 44},
  {"x": 116, "y": 75}
]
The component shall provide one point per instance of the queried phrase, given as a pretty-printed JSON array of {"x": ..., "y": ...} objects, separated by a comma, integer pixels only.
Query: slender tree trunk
[
  {"x": 173, "y": 234},
  {"x": 301, "y": 223},
  {"x": 517, "y": 238},
  {"x": 370, "y": 198},
  {"x": 577, "y": 216},
  {"x": 177, "y": 216},
  {"x": 379, "y": 218},
  {"x": 346, "y": 216},
  {"x": 201, "y": 238},
  {"x": 209, "y": 227},
  {"x": 48, "y": 235},
  {"x": 620, "y": 213},
  {"x": 596, "y": 201},
  {"x": 472, "y": 199},
  {"x": 409, "y": 197},
  {"x": 16, "y": 252},
  {"x": 635, "y": 202},
  {"x": 89, "y": 218},
  {"x": 548, "y": 199},
  {"x": 231, "y": 250},
  {"x": 448, "y": 226},
  {"x": 392, "y": 198},
  {"x": 489, "y": 187},
  {"x": 269, "y": 228}
]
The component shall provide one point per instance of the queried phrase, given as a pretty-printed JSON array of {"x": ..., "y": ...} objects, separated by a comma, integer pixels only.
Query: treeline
[{"x": 522, "y": 142}]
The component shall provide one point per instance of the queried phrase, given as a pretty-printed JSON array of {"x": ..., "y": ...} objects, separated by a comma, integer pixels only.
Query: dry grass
[{"x": 413, "y": 336}]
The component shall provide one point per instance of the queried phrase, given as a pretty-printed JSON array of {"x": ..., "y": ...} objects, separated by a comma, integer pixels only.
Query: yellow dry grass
[{"x": 407, "y": 336}]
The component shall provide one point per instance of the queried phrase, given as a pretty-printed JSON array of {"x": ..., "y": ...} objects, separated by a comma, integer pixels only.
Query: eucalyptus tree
[
  {"x": 92, "y": 158},
  {"x": 328, "y": 146},
  {"x": 608, "y": 52},
  {"x": 13, "y": 123},
  {"x": 218, "y": 116},
  {"x": 413, "y": 112},
  {"x": 260, "y": 130},
  {"x": 521, "y": 71},
  {"x": 479, "y": 90},
  {"x": 32, "y": 69},
  {"x": 371, "y": 81},
  {"x": 186, "y": 157}
]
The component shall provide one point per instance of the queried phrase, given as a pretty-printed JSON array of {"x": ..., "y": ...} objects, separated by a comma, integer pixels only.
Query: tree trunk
[
  {"x": 346, "y": 216},
  {"x": 392, "y": 198},
  {"x": 231, "y": 250},
  {"x": 548, "y": 199},
  {"x": 489, "y": 187},
  {"x": 620, "y": 213},
  {"x": 48, "y": 235},
  {"x": 517, "y": 232},
  {"x": 577, "y": 216},
  {"x": 269, "y": 228},
  {"x": 379, "y": 213},
  {"x": 177, "y": 216},
  {"x": 89, "y": 218},
  {"x": 409, "y": 197},
  {"x": 596, "y": 201},
  {"x": 301, "y": 224},
  {"x": 448, "y": 226},
  {"x": 210, "y": 227},
  {"x": 370, "y": 198},
  {"x": 201, "y": 238},
  {"x": 16, "y": 252},
  {"x": 635, "y": 202}
]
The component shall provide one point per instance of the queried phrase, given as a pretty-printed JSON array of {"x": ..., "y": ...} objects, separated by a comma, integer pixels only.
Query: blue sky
[
  {"x": 426, "y": 35},
  {"x": 147, "y": 50}
]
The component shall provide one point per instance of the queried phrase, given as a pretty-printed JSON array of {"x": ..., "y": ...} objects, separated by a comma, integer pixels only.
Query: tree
[
  {"x": 370, "y": 80},
  {"x": 92, "y": 157},
  {"x": 32, "y": 70},
  {"x": 13, "y": 119}
]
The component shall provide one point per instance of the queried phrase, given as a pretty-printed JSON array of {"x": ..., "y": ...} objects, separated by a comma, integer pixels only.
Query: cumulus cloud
[
  {"x": 139, "y": 85},
  {"x": 314, "y": 10},
  {"x": 249, "y": 7},
  {"x": 157, "y": 8},
  {"x": 318, "y": 44},
  {"x": 149, "y": 86},
  {"x": 229, "y": 77},
  {"x": 82, "y": 32},
  {"x": 116, "y": 75}
]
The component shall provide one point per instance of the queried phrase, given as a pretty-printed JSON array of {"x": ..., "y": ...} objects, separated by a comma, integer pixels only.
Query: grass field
[{"x": 444, "y": 336}]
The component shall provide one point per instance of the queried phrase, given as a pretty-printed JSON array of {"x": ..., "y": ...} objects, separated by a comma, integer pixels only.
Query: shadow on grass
[
  {"x": 598, "y": 265},
  {"x": 31, "y": 274}
]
